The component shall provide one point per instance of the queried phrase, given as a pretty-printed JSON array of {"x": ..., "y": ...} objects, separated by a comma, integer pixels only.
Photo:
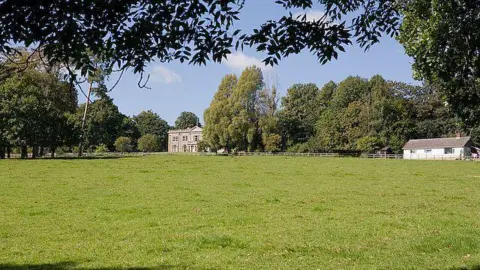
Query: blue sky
[{"x": 179, "y": 87}]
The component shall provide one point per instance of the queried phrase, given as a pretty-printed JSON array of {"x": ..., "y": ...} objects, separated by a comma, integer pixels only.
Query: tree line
[
  {"x": 39, "y": 114},
  {"x": 357, "y": 114},
  {"x": 442, "y": 37}
]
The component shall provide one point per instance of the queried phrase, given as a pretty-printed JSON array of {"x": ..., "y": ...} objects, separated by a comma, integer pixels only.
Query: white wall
[{"x": 436, "y": 153}]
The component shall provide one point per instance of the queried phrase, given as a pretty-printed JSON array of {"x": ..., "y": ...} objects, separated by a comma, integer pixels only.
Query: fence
[
  {"x": 285, "y": 154},
  {"x": 385, "y": 156},
  {"x": 436, "y": 157}
]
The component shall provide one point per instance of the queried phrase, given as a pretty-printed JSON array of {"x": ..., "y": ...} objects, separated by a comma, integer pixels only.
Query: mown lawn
[{"x": 239, "y": 213}]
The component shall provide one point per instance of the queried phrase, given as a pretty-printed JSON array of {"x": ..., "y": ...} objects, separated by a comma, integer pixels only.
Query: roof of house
[
  {"x": 195, "y": 128},
  {"x": 438, "y": 143},
  {"x": 386, "y": 148}
]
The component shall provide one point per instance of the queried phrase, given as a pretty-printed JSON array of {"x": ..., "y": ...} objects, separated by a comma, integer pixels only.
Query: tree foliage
[
  {"x": 149, "y": 143},
  {"x": 187, "y": 120},
  {"x": 123, "y": 144},
  {"x": 245, "y": 102},
  {"x": 368, "y": 144},
  {"x": 243, "y": 113},
  {"x": 34, "y": 110},
  {"x": 104, "y": 122},
  {"x": 443, "y": 37},
  {"x": 218, "y": 116},
  {"x": 130, "y": 130},
  {"x": 361, "y": 114},
  {"x": 149, "y": 122},
  {"x": 131, "y": 33},
  {"x": 300, "y": 112}
]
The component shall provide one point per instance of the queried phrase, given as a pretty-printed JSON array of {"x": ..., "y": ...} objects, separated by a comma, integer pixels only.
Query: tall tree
[
  {"x": 130, "y": 130},
  {"x": 353, "y": 88},
  {"x": 300, "y": 112},
  {"x": 34, "y": 108},
  {"x": 187, "y": 120},
  {"x": 245, "y": 101},
  {"x": 326, "y": 94},
  {"x": 443, "y": 38},
  {"x": 217, "y": 116},
  {"x": 103, "y": 122},
  {"x": 269, "y": 122},
  {"x": 149, "y": 122}
]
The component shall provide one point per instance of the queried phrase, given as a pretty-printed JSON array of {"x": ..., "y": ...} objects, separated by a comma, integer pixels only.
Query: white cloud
[
  {"x": 165, "y": 75},
  {"x": 238, "y": 61}
]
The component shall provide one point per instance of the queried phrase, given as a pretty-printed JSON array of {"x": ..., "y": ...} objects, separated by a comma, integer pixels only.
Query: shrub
[
  {"x": 272, "y": 142},
  {"x": 102, "y": 148},
  {"x": 62, "y": 150},
  {"x": 202, "y": 146},
  {"x": 299, "y": 148},
  {"x": 123, "y": 144},
  {"x": 367, "y": 144},
  {"x": 148, "y": 143}
]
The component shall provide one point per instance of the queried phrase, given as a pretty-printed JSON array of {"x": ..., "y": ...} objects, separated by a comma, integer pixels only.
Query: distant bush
[
  {"x": 299, "y": 148},
  {"x": 102, "y": 148},
  {"x": 202, "y": 146},
  {"x": 272, "y": 142},
  {"x": 123, "y": 144},
  {"x": 62, "y": 150},
  {"x": 148, "y": 143},
  {"x": 307, "y": 147},
  {"x": 367, "y": 144}
]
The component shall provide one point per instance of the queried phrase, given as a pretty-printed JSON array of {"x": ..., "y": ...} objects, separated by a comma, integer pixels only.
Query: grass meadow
[{"x": 189, "y": 212}]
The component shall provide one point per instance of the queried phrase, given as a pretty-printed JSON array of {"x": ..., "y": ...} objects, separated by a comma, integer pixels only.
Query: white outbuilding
[{"x": 439, "y": 148}]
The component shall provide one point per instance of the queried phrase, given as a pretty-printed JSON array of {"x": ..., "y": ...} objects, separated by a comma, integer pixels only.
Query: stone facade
[{"x": 184, "y": 140}]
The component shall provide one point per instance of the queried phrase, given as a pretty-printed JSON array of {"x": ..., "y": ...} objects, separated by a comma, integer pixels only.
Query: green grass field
[{"x": 175, "y": 212}]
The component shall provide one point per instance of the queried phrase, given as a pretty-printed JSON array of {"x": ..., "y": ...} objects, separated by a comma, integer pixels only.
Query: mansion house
[{"x": 184, "y": 140}]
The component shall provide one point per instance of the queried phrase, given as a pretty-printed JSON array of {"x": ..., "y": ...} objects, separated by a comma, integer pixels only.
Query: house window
[
  {"x": 449, "y": 151},
  {"x": 185, "y": 138},
  {"x": 174, "y": 148},
  {"x": 413, "y": 151},
  {"x": 184, "y": 148},
  {"x": 175, "y": 139},
  {"x": 428, "y": 151},
  {"x": 195, "y": 138}
]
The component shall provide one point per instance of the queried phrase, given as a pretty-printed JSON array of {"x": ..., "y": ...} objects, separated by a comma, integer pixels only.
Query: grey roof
[
  {"x": 438, "y": 143},
  {"x": 184, "y": 130}
]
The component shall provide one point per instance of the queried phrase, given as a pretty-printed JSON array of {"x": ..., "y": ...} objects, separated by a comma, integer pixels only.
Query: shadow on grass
[
  {"x": 98, "y": 157},
  {"x": 73, "y": 265},
  {"x": 473, "y": 267},
  {"x": 76, "y": 158}
]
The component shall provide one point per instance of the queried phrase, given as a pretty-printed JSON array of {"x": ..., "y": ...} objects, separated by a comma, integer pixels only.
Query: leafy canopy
[
  {"x": 123, "y": 144},
  {"x": 149, "y": 122},
  {"x": 443, "y": 37},
  {"x": 187, "y": 120},
  {"x": 148, "y": 143},
  {"x": 132, "y": 33}
]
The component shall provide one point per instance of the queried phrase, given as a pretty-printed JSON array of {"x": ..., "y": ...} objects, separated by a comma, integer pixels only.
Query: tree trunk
[
  {"x": 34, "y": 151},
  {"x": 23, "y": 152},
  {"x": 9, "y": 151},
  {"x": 84, "y": 120},
  {"x": 52, "y": 151},
  {"x": 2, "y": 152},
  {"x": 41, "y": 153}
]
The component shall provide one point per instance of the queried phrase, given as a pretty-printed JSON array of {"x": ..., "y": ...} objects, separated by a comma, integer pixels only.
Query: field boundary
[{"x": 245, "y": 154}]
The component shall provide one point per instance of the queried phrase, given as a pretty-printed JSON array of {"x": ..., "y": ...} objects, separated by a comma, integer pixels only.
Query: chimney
[{"x": 458, "y": 135}]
